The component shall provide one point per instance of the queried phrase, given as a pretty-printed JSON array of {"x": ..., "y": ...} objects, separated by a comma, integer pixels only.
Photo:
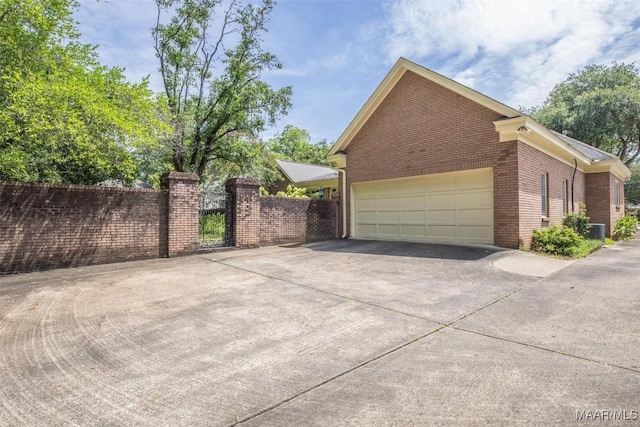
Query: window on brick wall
[
  {"x": 565, "y": 197},
  {"x": 617, "y": 195},
  {"x": 544, "y": 194}
]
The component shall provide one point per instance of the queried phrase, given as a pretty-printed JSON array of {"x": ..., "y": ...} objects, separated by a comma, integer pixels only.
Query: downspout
[
  {"x": 344, "y": 202},
  {"x": 573, "y": 180}
]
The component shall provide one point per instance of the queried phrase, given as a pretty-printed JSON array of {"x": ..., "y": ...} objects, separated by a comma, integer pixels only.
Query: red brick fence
[
  {"x": 269, "y": 220},
  {"x": 44, "y": 226}
]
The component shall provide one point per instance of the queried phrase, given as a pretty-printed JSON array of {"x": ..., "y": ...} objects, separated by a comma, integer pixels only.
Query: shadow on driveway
[{"x": 405, "y": 249}]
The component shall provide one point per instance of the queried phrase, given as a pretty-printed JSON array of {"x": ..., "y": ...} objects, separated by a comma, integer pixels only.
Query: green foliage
[
  {"x": 263, "y": 191},
  {"x": 211, "y": 62},
  {"x": 599, "y": 105},
  {"x": 63, "y": 116},
  {"x": 295, "y": 144},
  {"x": 293, "y": 193},
  {"x": 212, "y": 227},
  {"x": 609, "y": 242},
  {"x": 626, "y": 227},
  {"x": 578, "y": 221},
  {"x": 632, "y": 187},
  {"x": 556, "y": 240},
  {"x": 586, "y": 247}
]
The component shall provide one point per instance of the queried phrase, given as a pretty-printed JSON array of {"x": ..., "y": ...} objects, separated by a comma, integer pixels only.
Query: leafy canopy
[
  {"x": 599, "y": 105},
  {"x": 295, "y": 144},
  {"x": 211, "y": 63},
  {"x": 63, "y": 116},
  {"x": 632, "y": 187}
]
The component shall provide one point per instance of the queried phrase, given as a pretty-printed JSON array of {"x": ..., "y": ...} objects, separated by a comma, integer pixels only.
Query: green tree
[
  {"x": 295, "y": 144},
  {"x": 632, "y": 187},
  {"x": 599, "y": 105},
  {"x": 63, "y": 116},
  {"x": 211, "y": 62}
]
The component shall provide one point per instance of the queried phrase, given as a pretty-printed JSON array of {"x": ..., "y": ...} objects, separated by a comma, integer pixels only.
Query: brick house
[
  {"x": 307, "y": 176},
  {"x": 428, "y": 159}
]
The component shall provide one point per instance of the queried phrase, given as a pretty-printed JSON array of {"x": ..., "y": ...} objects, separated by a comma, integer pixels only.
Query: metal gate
[{"x": 213, "y": 226}]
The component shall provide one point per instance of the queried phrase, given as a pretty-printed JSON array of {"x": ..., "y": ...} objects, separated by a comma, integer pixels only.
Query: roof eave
[{"x": 529, "y": 131}]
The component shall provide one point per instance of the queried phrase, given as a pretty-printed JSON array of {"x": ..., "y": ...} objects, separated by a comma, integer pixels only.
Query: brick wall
[
  {"x": 182, "y": 212},
  {"x": 44, "y": 226},
  {"x": 422, "y": 128},
  {"x": 600, "y": 208},
  {"x": 506, "y": 220},
  {"x": 296, "y": 220},
  {"x": 244, "y": 212},
  {"x": 267, "y": 220},
  {"x": 531, "y": 165}
]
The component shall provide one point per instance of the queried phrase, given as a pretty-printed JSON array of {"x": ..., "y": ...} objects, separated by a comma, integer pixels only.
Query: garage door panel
[
  {"x": 439, "y": 201},
  {"x": 413, "y": 216},
  {"x": 413, "y": 230},
  {"x": 369, "y": 230},
  {"x": 413, "y": 187},
  {"x": 366, "y": 217},
  {"x": 479, "y": 232},
  {"x": 475, "y": 181},
  {"x": 366, "y": 204},
  {"x": 388, "y": 216},
  {"x": 387, "y": 203},
  {"x": 442, "y": 231},
  {"x": 480, "y": 199},
  {"x": 389, "y": 189},
  {"x": 441, "y": 216},
  {"x": 435, "y": 184},
  {"x": 366, "y": 190},
  {"x": 474, "y": 216},
  {"x": 412, "y": 202},
  {"x": 449, "y": 207},
  {"x": 389, "y": 229}
]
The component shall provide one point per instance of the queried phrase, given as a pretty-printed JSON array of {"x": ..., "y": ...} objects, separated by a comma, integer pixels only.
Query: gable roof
[
  {"x": 303, "y": 172},
  {"x": 393, "y": 76},
  {"x": 513, "y": 125},
  {"x": 590, "y": 151}
]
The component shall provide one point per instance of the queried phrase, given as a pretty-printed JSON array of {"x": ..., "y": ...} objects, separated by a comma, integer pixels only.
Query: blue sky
[{"x": 335, "y": 53}]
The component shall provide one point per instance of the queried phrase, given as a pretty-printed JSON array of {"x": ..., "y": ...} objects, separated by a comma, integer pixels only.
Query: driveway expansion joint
[
  {"x": 550, "y": 350},
  {"x": 337, "y": 376},
  {"x": 314, "y": 289}
]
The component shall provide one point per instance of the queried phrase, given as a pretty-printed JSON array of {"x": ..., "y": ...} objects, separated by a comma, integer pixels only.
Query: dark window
[
  {"x": 565, "y": 197},
  {"x": 544, "y": 194}
]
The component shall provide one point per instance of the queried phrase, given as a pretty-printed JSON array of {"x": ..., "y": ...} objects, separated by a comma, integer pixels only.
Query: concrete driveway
[{"x": 335, "y": 333}]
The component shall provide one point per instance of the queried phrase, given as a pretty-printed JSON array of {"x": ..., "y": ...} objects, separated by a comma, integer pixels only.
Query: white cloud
[{"x": 513, "y": 50}]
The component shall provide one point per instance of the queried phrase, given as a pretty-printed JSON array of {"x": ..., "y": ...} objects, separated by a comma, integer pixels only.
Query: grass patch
[
  {"x": 587, "y": 247},
  {"x": 212, "y": 228},
  {"x": 609, "y": 242}
]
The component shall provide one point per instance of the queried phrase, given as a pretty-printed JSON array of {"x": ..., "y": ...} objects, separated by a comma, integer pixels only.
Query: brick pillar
[
  {"x": 244, "y": 211},
  {"x": 182, "y": 212}
]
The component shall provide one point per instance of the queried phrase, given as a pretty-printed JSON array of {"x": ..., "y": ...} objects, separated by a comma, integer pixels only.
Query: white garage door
[{"x": 452, "y": 207}]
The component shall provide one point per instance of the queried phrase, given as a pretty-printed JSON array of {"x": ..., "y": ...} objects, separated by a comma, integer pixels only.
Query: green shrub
[
  {"x": 556, "y": 240},
  {"x": 625, "y": 228},
  {"x": 293, "y": 193},
  {"x": 578, "y": 221}
]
